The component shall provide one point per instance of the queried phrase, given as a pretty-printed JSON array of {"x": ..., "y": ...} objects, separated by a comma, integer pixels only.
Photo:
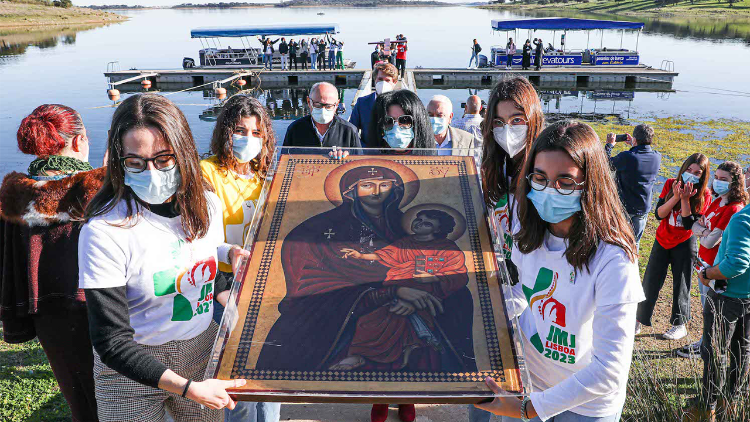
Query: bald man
[
  {"x": 322, "y": 127},
  {"x": 471, "y": 122},
  {"x": 449, "y": 140}
]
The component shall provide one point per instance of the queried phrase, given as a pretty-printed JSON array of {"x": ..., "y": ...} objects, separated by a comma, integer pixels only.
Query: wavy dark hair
[
  {"x": 737, "y": 189},
  {"x": 412, "y": 105},
  {"x": 602, "y": 217},
  {"x": 237, "y": 107},
  {"x": 519, "y": 90},
  {"x": 156, "y": 112},
  {"x": 698, "y": 200}
]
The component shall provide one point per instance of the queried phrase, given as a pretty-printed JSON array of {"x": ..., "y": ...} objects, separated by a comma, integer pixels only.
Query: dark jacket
[
  {"x": 39, "y": 248},
  {"x": 292, "y": 48},
  {"x": 301, "y": 133},
  {"x": 361, "y": 114},
  {"x": 283, "y": 47},
  {"x": 374, "y": 58},
  {"x": 477, "y": 48},
  {"x": 636, "y": 171}
]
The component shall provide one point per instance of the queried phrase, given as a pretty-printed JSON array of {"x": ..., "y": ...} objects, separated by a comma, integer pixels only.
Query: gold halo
[
  {"x": 412, "y": 212},
  {"x": 408, "y": 177}
]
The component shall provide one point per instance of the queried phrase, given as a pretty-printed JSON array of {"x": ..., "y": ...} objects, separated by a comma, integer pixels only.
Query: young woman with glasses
[
  {"x": 400, "y": 121},
  {"x": 148, "y": 260},
  {"x": 576, "y": 258}
]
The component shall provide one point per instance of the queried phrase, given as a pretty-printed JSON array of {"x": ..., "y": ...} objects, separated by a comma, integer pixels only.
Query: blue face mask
[
  {"x": 245, "y": 148},
  {"x": 690, "y": 178},
  {"x": 153, "y": 186},
  {"x": 720, "y": 187},
  {"x": 552, "y": 206},
  {"x": 439, "y": 124},
  {"x": 399, "y": 137}
]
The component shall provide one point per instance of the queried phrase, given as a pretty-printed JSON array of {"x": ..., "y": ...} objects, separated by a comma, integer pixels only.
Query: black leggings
[
  {"x": 726, "y": 327},
  {"x": 292, "y": 61},
  {"x": 681, "y": 259}
]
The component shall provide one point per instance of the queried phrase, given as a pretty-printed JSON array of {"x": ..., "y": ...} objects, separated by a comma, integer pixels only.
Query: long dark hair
[
  {"x": 519, "y": 90},
  {"x": 698, "y": 200},
  {"x": 156, "y": 112},
  {"x": 737, "y": 189},
  {"x": 602, "y": 217},
  {"x": 424, "y": 137},
  {"x": 237, "y": 107}
]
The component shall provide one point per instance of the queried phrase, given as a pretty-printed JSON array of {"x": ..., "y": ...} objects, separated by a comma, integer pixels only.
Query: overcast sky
[{"x": 174, "y": 2}]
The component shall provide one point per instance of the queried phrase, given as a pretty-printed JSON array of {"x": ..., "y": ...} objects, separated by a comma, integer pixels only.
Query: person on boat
[
  {"x": 304, "y": 52},
  {"x": 526, "y": 60},
  {"x": 242, "y": 144},
  {"x": 578, "y": 282},
  {"x": 538, "y": 53},
  {"x": 513, "y": 119},
  {"x": 147, "y": 261},
  {"x": 293, "y": 47},
  {"x": 314, "y": 51},
  {"x": 510, "y": 51},
  {"x": 385, "y": 76},
  {"x": 284, "y": 53},
  {"x": 39, "y": 293},
  {"x": 401, "y": 50},
  {"x": 322, "y": 53},
  {"x": 268, "y": 52},
  {"x": 334, "y": 47}
]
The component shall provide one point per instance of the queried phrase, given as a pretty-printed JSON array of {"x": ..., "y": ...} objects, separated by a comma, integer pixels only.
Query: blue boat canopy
[
  {"x": 562, "y": 24},
  {"x": 249, "y": 31}
]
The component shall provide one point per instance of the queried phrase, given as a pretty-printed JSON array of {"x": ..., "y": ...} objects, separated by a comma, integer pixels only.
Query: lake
[{"x": 66, "y": 65}]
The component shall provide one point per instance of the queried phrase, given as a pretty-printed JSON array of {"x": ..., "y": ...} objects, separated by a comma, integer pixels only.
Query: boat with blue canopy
[
  {"x": 213, "y": 54},
  {"x": 562, "y": 57}
]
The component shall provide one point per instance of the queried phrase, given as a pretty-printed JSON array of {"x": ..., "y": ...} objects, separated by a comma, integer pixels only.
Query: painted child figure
[{"x": 427, "y": 261}]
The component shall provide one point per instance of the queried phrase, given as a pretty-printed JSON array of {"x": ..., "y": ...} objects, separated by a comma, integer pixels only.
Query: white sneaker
[
  {"x": 690, "y": 351},
  {"x": 637, "y": 327},
  {"x": 675, "y": 333}
]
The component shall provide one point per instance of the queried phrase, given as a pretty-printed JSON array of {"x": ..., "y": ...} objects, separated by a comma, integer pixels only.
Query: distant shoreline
[
  {"x": 634, "y": 8},
  {"x": 274, "y": 5},
  {"x": 24, "y": 15}
]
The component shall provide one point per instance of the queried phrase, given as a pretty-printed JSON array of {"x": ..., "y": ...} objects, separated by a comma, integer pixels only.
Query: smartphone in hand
[{"x": 621, "y": 138}]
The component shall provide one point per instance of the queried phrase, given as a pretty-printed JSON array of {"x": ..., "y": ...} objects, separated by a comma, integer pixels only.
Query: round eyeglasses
[
  {"x": 405, "y": 121},
  {"x": 162, "y": 162},
  {"x": 563, "y": 185}
]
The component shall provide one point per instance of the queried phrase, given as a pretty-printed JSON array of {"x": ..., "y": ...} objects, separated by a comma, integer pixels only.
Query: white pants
[{"x": 284, "y": 58}]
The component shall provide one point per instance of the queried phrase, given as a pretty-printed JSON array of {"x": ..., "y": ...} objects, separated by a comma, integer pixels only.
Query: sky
[{"x": 174, "y": 2}]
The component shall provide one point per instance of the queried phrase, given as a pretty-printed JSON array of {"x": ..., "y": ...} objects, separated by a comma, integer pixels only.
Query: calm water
[{"x": 66, "y": 65}]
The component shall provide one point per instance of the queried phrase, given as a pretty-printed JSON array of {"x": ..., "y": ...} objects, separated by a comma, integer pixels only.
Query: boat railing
[{"x": 667, "y": 65}]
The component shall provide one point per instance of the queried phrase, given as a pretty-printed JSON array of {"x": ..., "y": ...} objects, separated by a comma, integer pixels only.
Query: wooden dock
[{"x": 637, "y": 77}]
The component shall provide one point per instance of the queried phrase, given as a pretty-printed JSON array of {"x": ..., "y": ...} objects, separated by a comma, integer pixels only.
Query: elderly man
[
  {"x": 385, "y": 76},
  {"x": 322, "y": 127},
  {"x": 449, "y": 140},
  {"x": 471, "y": 122}
]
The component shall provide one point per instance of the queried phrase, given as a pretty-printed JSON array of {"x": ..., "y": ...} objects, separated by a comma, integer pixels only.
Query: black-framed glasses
[
  {"x": 162, "y": 162},
  {"x": 405, "y": 121},
  {"x": 514, "y": 121},
  {"x": 316, "y": 104},
  {"x": 564, "y": 185}
]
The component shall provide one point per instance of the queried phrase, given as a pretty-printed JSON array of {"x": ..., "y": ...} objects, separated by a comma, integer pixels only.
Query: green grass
[
  {"x": 639, "y": 7},
  {"x": 28, "y": 390}
]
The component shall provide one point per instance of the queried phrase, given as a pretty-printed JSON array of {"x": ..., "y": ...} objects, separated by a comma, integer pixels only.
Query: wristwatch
[
  {"x": 524, "y": 415},
  {"x": 704, "y": 273}
]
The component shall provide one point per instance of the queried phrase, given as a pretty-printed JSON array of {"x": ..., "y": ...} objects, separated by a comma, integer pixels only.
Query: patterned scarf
[{"x": 66, "y": 165}]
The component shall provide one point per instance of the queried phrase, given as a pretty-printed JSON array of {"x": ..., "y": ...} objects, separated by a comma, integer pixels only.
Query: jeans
[
  {"x": 477, "y": 415},
  {"x": 284, "y": 58},
  {"x": 726, "y": 327},
  {"x": 331, "y": 60},
  {"x": 313, "y": 60},
  {"x": 247, "y": 411},
  {"x": 638, "y": 221},
  {"x": 268, "y": 61},
  {"x": 510, "y": 60},
  {"x": 681, "y": 259},
  {"x": 475, "y": 58}
]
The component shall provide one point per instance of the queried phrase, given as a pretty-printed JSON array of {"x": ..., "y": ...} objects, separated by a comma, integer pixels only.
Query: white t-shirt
[
  {"x": 169, "y": 279},
  {"x": 578, "y": 327}
]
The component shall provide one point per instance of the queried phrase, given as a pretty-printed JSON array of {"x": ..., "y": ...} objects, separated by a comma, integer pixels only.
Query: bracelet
[
  {"x": 524, "y": 415},
  {"x": 187, "y": 385}
]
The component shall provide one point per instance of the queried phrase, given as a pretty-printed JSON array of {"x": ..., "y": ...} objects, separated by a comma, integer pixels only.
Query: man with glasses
[
  {"x": 322, "y": 127},
  {"x": 449, "y": 140}
]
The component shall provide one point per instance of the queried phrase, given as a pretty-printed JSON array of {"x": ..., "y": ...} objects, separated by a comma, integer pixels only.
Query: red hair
[{"x": 47, "y": 129}]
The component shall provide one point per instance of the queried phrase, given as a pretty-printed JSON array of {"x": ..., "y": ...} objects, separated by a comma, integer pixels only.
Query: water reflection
[
  {"x": 14, "y": 42},
  {"x": 679, "y": 27}
]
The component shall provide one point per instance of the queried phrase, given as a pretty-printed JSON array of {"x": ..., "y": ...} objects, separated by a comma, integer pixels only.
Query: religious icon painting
[{"x": 372, "y": 279}]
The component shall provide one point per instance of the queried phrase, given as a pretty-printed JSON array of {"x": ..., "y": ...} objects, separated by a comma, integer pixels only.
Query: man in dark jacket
[
  {"x": 293, "y": 47},
  {"x": 284, "y": 53},
  {"x": 385, "y": 76},
  {"x": 635, "y": 172},
  {"x": 538, "y": 53},
  {"x": 322, "y": 127}
]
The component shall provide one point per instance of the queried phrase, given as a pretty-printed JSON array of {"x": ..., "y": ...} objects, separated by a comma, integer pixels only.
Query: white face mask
[
  {"x": 323, "y": 116},
  {"x": 511, "y": 138},
  {"x": 381, "y": 87},
  {"x": 245, "y": 148},
  {"x": 154, "y": 186}
]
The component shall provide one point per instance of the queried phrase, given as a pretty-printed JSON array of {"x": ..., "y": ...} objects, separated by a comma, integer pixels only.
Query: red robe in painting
[{"x": 386, "y": 338}]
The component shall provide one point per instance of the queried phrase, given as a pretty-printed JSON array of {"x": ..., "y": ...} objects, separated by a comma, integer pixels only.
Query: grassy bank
[
  {"x": 710, "y": 8},
  {"x": 40, "y": 14},
  {"x": 659, "y": 382}
]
